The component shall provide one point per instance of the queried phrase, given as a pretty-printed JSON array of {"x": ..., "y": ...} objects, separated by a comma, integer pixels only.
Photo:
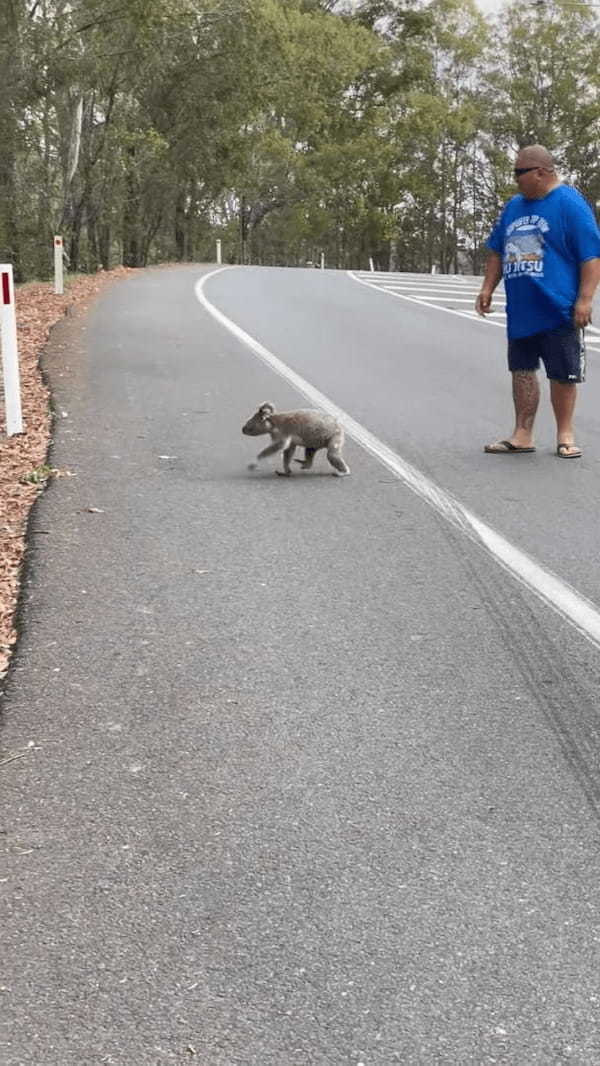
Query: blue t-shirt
[{"x": 542, "y": 243}]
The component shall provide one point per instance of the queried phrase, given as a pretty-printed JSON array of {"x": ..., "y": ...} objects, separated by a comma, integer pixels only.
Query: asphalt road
[{"x": 304, "y": 776}]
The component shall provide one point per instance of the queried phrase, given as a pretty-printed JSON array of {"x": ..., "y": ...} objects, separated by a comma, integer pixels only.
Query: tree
[{"x": 542, "y": 82}]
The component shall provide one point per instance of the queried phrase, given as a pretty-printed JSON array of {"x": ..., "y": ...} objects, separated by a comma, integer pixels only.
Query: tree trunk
[
  {"x": 132, "y": 238},
  {"x": 243, "y": 230},
  {"x": 92, "y": 237},
  {"x": 180, "y": 228},
  {"x": 456, "y": 200},
  {"x": 10, "y": 62},
  {"x": 148, "y": 236},
  {"x": 443, "y": 260},
  {"x": 9, "y": 227},
  {"x": 69, "y": 208},
  {"x": 104, "y": 244},
  {"x": 189, "y": 233},
  {"x": 75, "y": 238}
]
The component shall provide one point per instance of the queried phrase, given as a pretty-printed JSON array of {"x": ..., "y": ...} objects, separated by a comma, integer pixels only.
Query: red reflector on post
[{"x": 5, "y": 287}]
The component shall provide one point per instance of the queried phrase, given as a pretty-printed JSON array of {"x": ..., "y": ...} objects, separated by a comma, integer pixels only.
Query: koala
[{"x": 289, "y": 429}]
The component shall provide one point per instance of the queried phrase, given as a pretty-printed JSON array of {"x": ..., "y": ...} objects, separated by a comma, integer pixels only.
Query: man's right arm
[
  {"x": 493, "y": 273},
  {"x": 589, "y": 278}
]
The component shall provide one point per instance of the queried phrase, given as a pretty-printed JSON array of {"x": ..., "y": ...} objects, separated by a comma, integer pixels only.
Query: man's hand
[
  {"x": 582, "y": 313},
  {"x": 483, "y": 303},
  {"x": 493, "y": 273},
  {"x": 589, "y": 278}
]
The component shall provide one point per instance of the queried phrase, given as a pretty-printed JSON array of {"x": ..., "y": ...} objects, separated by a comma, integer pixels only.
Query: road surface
[{"x": 306, "y": 770}]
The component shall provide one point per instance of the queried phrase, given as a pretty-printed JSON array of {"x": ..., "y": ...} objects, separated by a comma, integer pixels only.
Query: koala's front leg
[{"x": 272, "y": 449}]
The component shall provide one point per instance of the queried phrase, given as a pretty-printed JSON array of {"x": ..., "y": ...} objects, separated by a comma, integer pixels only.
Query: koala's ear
[{"x": 266, "y": 409}]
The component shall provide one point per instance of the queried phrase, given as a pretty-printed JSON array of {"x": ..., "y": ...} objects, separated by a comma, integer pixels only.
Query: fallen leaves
[{"x": 23, "y": 467}]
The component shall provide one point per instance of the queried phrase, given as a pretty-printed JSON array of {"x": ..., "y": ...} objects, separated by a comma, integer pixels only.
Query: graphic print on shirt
[{"x": 524, "y": 246}]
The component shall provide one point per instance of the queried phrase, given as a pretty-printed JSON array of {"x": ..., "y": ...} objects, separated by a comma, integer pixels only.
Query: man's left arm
[{"x": 589, "y": 277}]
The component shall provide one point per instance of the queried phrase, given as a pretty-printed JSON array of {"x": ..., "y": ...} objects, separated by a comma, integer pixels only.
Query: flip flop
[
  {"x": 505, "y": 447},
  {"x": 562, "y": 452}
]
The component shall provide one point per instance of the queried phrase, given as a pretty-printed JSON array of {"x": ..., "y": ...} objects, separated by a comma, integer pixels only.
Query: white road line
[
  {"x": 451, "y": 298},
  {"x": 420, "y": 287},
  {"x": 417, "y": 300},
  {"x": 425, "y": 285},
  {"x": 414, "y": 289},
  {"x": 463, "y": 279},
  {"x": 423, "y": 279},
  {"x": 427, "y": 301},
  {"x": 563, "y": 598}
]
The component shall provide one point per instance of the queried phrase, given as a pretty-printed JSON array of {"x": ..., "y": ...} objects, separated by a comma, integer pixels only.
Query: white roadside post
[
  {"x": 371, "y": 264},
  {"x": 219, "y": 256},
  {"x": 322, "y": 260},
  {"x": 10, "y": 357},
  {"x": 58, "y": 266}
]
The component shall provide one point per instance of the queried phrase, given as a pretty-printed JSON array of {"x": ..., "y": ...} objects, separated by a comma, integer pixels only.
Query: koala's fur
[{"x": 290, "y": 429}]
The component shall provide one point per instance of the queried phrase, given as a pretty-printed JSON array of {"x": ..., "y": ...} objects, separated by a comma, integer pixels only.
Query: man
[{"x": 546, "y": 243}]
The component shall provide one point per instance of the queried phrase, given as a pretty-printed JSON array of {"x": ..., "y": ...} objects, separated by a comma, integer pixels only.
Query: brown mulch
[{"x": 23, "y": 469}]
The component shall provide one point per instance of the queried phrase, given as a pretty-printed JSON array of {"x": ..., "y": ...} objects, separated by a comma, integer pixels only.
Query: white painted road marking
[
  {"x": 563, "y": 598},
  {"x": 417, "y": 300},
  {"x": 450, "y": 297},
  {"x": 413, "y": 286},
  {"x": 421, "y": 292}
]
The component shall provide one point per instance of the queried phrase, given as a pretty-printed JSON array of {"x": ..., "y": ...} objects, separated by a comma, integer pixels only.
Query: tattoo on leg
[{"x": 526, "y": 395}]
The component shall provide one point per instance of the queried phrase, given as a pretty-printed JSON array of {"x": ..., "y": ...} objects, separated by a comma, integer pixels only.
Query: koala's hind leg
[
  {"x": 334, "y": 454},
  {"x": 287, "y": 458},
  {"x": 307, "y": 462}
]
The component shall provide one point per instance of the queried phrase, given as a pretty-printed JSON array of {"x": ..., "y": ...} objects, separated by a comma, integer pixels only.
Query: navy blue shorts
[{"x": 562, "y": 352}]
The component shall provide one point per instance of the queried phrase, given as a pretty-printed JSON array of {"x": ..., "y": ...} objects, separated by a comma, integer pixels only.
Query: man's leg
[
  {"x": 563, "y": 395},
  {"x": 526, "y": 397}
]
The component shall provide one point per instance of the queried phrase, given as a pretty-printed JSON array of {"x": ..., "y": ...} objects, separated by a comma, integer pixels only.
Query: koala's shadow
[{"x": 269, "y": 476}]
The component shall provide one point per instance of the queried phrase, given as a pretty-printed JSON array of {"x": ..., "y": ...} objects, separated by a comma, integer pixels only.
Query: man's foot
[
  {"x": 506, "y": 447},
  {"x": 568, "y": 451}
]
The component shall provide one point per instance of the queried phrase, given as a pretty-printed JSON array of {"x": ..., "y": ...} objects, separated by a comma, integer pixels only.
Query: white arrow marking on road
[{"x": 559, "y": 595}]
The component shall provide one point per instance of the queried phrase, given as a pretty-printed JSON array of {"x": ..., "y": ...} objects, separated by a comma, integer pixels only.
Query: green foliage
[
  {"x": 39, "y": 475},
  {"x": 144, "y": 130}
]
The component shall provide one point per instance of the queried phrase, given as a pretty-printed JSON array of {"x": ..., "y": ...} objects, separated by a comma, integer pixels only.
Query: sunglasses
[{"x": 523, "y": 170}]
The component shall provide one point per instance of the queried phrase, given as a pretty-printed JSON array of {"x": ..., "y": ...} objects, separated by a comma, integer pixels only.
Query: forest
[{"x": 143, "y": 131}]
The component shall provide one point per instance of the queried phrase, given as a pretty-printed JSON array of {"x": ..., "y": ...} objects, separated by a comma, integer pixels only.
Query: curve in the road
[{"x": 570, "y": 604}]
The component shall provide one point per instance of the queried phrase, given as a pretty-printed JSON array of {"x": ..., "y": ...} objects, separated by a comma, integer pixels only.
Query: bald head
[
  {"x": 534, "y": 172},
  {"x": 535, "y": 155}
]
